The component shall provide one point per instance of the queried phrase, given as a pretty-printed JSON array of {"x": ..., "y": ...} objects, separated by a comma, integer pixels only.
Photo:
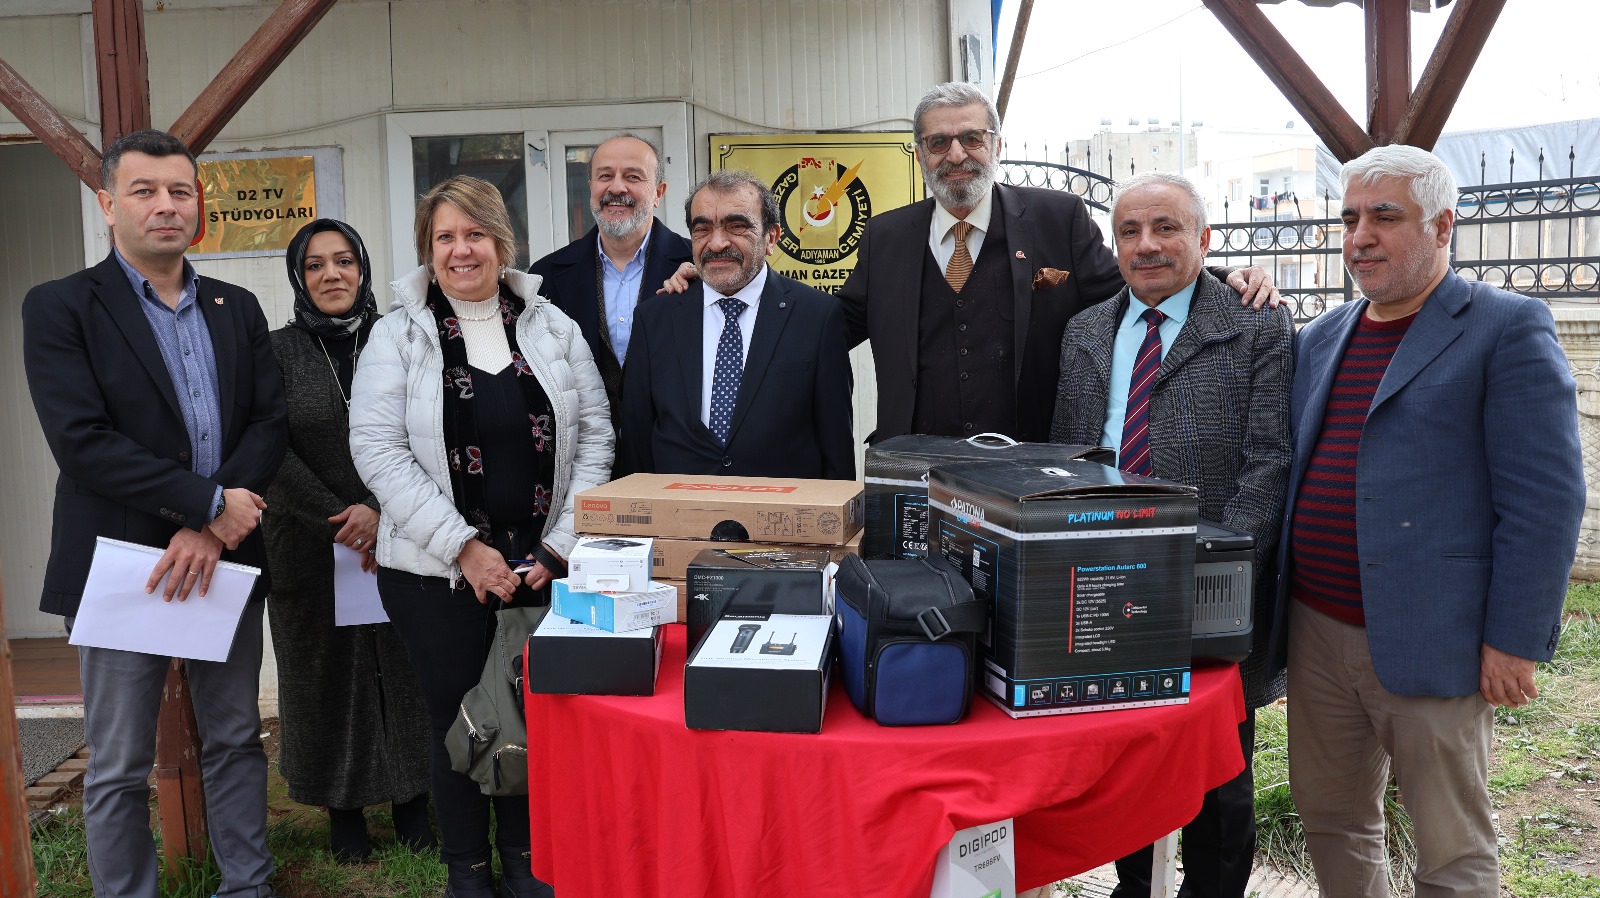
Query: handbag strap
[{"x": 967, "y": 617}]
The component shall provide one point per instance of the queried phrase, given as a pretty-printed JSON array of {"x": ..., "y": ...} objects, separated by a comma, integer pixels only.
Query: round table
[{"x": 626, "y": 801}]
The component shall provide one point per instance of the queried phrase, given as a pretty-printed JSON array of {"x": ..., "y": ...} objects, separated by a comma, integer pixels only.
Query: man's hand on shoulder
[
  {"x": 1504, "y": 679},
  {"x": 679, "y": 282},
  {"x": 1255, "y": 287},
  {"x": 191, "y": 558},
  {"x": 240, "y": 515}
]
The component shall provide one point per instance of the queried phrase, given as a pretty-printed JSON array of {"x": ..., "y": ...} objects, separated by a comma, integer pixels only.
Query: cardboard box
[
  {"x": 619, "y": 612},
  {"x": 671, "y": 557},
  {"x": 610, "y": 564},
  {"x": 770, "y": 510},
  {"x": 979, "y": 862},
  {"x": 1090, "y": 576},
  {"x": 769, "y": 675},
  {"x": 682, "y": 586},
  {"x": 753, "y": 583},
  {"x": 569, "y": 658},
  {"x": 897, "y": 482}
]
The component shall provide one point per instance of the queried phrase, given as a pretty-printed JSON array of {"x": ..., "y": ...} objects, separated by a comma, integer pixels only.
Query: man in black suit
[
  {"x": 971, "y": 288},
  {"x": 161, "y": 402},
  {"x": 600, "y": 278},
  {"x": 746, "y": 373}
]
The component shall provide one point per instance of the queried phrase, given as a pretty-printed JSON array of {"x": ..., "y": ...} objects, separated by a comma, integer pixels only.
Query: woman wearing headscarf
[
  {"x": 478, "y": 414},
  {"x": 354, "y": 729}
]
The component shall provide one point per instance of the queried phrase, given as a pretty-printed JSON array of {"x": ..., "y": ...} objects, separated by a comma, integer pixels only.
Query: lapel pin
[
  {"x": 217, "y": 300},
  {"x": 783, "y": 305},
  {"x": 1021, "y": 254}
]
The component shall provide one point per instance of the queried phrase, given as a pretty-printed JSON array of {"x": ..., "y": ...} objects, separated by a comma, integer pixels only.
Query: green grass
[{"x": 1584, "y": 598}]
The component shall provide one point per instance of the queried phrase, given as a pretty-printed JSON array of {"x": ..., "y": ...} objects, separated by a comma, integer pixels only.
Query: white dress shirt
[
  {"x": 711, "y": 333},
  {"x": 942, "y": 236}
]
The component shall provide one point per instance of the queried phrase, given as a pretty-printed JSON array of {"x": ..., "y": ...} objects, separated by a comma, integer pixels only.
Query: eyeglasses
[{"x": 939, "y": 144}]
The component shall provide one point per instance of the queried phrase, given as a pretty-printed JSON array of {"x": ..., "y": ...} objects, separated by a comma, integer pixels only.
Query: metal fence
[{"x": 1539, "y": 237}]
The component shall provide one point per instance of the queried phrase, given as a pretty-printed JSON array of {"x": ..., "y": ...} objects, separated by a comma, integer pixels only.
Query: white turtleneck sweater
[{"x": 484, "y": 333}]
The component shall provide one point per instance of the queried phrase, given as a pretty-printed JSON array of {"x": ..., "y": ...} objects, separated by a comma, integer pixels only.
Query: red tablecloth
[{"x": 627, "y": 801}]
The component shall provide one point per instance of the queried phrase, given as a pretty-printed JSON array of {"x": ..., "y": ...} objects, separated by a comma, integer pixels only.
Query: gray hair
[
  {"x": 1432, "y": 185},
  {"x": 729, "y": 181},
  {"x": 661, "y": 171},
  {"x": 954, "y": 93},
  {"x": 1170, "y": 179}
]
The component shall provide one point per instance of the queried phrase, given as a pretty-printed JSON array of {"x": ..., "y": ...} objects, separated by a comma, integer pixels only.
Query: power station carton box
[
  {"x": 897, "y": 482},
  {"x": 979, "y": 862},
  {"x": 1090, "y": 576},
  {"x": 761, "y": 509}
]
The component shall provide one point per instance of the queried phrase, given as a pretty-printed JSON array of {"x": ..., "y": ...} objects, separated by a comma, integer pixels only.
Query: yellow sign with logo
[
  {"x": 256, "y": 205},
  {"x": 827, "y": 186}
]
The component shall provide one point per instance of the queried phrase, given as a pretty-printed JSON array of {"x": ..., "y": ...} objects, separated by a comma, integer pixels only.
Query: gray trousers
[
  {"x": 1345, "y": 734},
  {"x": 121, "y": 702}
]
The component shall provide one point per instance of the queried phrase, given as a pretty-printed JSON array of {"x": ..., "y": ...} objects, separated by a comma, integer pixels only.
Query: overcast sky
[{"x": 1087, "y": 60}]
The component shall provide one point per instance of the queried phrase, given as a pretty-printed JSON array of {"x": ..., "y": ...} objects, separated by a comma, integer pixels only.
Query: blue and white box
[{"x": 619, "y": 612}]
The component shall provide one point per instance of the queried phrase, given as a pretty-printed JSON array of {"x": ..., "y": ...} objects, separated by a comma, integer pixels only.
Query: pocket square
[{"x": 1045, "y": 278}]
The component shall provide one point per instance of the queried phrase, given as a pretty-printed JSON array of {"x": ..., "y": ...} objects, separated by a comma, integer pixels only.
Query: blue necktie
[
  {"x": 1135, "y": 455},
  {"x": 730, "y": 367}
]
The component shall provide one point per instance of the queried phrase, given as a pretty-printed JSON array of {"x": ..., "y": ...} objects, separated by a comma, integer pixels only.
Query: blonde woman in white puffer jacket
[{"x": 477, "y": 413}]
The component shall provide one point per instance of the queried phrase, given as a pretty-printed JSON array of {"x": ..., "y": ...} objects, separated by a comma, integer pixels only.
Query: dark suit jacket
[
  {"x": 111, "y": 418},
  {"x": 1470, "y": 484},
  {"x": 569, "y": 283},
  {"x": 1219, "y": 420},
  {"x": 1044, "y": 229},
  {"x": 792, "y": 416}
]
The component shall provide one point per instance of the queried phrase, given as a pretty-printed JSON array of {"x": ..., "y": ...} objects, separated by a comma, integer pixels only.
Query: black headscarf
[{"x": 306, "y": 314}]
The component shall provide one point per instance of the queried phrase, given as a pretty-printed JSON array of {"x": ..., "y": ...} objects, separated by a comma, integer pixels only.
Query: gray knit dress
[{"x": 354, "y": 730}]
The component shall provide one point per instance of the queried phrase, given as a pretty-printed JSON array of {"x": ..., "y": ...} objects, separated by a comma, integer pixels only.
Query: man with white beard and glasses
[
  {"x": 965, "y": 294},
  {"x": 599, "y": 278}
]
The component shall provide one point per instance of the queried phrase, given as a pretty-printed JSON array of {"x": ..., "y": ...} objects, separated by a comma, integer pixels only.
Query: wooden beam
[
  {"x": 1289, "y": 72},
  {"x": 1464, "y": 35},
  {"x": 1018, "y": 35},
  {"x": 16, "y": 855},
  {"x": 180, "y": 798},
  {"x": 121, "y": 67},
  {"x": 1388, "y": 37},
  {"x": 247, "y": 71},
  {"x": 50, "y": 126}
]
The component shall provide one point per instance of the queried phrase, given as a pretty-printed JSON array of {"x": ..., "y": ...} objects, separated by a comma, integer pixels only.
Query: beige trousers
[{"x": 1345, "y": 733}]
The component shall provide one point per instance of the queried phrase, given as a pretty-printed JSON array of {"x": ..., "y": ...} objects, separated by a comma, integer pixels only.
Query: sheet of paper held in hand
[
  {"x": 116, "y": 613},
  {"x": 355, "y": 592}
]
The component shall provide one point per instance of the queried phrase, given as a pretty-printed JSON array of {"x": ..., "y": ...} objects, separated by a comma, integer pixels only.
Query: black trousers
[
  {"x": 447, "y": 636},
  {"x": 1219, "y": 844}
]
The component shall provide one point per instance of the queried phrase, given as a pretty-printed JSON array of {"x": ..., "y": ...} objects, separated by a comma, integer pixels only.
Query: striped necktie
[
  {"x": 960, "y": 267},
  {"x": 1135, "y": 455}
]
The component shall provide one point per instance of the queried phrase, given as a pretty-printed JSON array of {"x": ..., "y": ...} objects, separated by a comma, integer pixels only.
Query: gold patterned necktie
[{"x": 960, "y": 267}]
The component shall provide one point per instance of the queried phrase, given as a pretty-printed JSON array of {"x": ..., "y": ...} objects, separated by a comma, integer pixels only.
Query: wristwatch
[{"x": 222, "y": 505}]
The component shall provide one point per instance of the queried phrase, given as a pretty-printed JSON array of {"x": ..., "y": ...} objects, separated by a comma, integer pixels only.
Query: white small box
[
  {"x": 979, "y": 862},
  {"x": 617, "y": 612},
  {"x": 610, "y": 564}
]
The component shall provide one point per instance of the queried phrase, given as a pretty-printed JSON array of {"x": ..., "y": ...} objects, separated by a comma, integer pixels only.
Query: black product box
[
  {"x": 897, "y": 482},
  {"x": 768, "y": 674},
  {"x": 754, "y": 583},
  {"x": 1224, "y": 592},
  {"x": 569, "y": 658},
  {"x": 1090, "y": 575}
]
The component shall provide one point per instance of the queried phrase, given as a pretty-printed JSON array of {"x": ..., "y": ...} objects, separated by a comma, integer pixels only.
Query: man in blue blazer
[
  {"x": 600, "y": 278},
  {"x": 1432, "y": 514},
  {"x": 163, "y": 407},
  {"x": 747, "y": 372}
]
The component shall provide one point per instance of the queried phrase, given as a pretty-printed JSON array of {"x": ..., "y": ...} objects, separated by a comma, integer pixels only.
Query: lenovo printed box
[
  {"x": 897, "y": 482},
  {"x": 751, "y": 509},
  {"x": 1090, "y": 576},
  {"x": 569, "y": 658}
]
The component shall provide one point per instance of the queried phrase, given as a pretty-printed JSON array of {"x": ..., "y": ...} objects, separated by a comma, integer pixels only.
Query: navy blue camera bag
[{"x": 907, "y": 639}]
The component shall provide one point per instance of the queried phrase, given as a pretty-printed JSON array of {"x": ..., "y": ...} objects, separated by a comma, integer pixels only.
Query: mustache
[
  {"x": 621, "y": 199},
  {"x": 730, "y": 253},
  {"x": 1149, "y": 262},
  {"x": 969, "y": 165}
]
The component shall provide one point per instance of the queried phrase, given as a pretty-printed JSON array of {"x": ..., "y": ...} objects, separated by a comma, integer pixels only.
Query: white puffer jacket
[{"x": 397, "y": 425}]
